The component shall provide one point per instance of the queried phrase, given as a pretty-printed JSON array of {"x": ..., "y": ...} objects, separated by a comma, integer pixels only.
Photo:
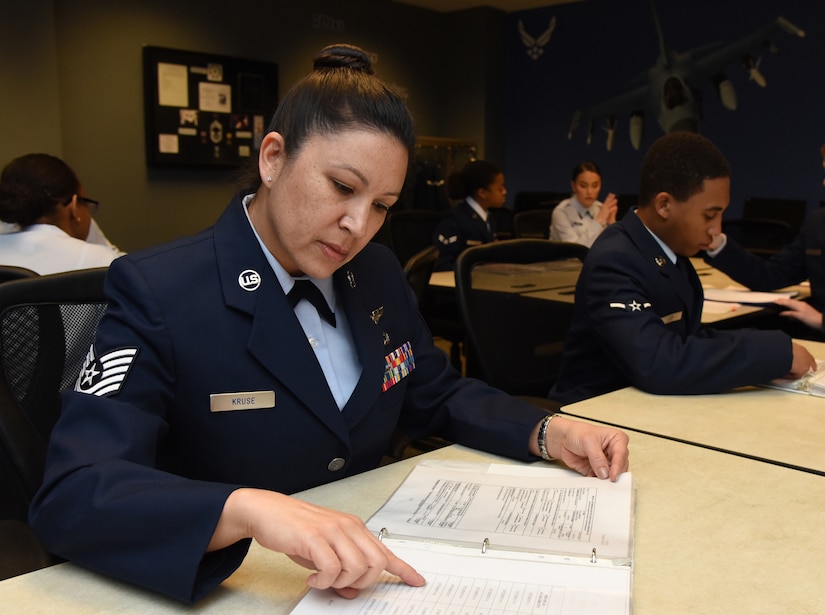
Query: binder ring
[
  {"x": 484, "y": 545},
  {"x": 383, "y": 532}
]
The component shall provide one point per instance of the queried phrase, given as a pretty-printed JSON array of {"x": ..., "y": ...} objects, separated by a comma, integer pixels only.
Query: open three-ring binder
[{"x": 500, "y": 539}]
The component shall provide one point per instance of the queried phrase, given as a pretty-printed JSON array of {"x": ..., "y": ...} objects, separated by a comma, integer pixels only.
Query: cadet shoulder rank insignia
[
  {"x": 631, "y": 306},
  {"x": 104, "y": 375},
  {"x": 397, "y": 366}
]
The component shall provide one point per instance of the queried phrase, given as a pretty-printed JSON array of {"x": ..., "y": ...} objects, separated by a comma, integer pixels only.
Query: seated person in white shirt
[
  {"x": 581, "y": 218},
  {"x": 48, "y": 218}
]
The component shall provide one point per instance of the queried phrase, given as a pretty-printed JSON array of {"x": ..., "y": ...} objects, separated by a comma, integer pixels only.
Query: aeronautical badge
[
  {"x": 397, "y": 366},
  {"x": 104, "y": 375},
  {"x": 447, "y": 240},
  {"x": 632, "y": 306}
]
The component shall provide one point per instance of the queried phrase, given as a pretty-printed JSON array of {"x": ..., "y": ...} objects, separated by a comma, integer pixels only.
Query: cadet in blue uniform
[
  {"x": 639, "y": 301},
  {"x": 207, "y": 397},
  {"x": 481, "y": 185}
]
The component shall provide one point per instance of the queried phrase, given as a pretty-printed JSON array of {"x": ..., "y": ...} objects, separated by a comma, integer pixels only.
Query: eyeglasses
[{"x": 93, "y": 205}]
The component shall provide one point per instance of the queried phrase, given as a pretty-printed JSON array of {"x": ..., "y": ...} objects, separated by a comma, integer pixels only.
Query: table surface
[
  {"x": 779, "y": 426},
  {"x": 561, "y": 286},
  {"x": 715, "y": 533}
]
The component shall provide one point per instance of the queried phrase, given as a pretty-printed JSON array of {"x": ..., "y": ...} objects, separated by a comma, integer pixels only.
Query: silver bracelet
[{"x": 543, "y": 437}]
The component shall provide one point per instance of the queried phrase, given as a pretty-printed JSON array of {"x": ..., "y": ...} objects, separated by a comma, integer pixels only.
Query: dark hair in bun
[
  {"x": 342, "y": 93},
  {"x": 337, "y": 56},
  {"x": 31, "y": 186},
  {"x": 475, "y": 175}
]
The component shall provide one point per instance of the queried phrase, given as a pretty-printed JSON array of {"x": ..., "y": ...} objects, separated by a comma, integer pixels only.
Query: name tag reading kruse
[{"x": 251, "y": 400}]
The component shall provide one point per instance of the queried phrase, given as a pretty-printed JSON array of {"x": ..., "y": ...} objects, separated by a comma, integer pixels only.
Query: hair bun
[{"x": 343, "y": 56}]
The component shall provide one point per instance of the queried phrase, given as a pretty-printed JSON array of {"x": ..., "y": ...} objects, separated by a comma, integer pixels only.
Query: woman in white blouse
[
  {"x": 49, "y": 217},
  {"x": 581, "y": 218}
]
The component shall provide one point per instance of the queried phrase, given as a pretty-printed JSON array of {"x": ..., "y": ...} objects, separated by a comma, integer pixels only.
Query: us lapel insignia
[
  {"x": 386, "y": 337},
  {"x": 376, "y": 314},
  {"x": 351, "y": 278},
  {"x": 659, "y": 261}
]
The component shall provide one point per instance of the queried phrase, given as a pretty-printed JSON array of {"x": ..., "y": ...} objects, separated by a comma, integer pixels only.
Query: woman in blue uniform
[
  {"x": 219, "y": 382},
  {"x": 481, "y": 185}
]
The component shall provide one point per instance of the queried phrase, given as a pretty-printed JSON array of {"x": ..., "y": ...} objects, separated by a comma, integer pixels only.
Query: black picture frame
[{"x": 205, "y": 110}]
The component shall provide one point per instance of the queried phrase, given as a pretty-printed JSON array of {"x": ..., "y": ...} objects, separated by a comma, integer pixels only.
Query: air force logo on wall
[{"x": 104, "y": 375}]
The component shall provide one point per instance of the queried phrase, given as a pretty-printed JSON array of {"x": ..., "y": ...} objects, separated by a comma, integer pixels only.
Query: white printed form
[
  {"x": 477, "y": 585},
  {"x": 527, "y": 508},
  {"x": 541, "y": 526}
]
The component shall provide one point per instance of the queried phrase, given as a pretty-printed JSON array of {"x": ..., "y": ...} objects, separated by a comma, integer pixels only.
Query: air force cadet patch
[
  {"x": 633, "y": 306},
  {"x": 104, "y": 375}
]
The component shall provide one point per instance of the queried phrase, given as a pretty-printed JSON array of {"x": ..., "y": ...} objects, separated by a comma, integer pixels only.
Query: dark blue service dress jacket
[
  {"x": 461, "y": 228},
  {"x": 162, "y": 426},
  {"x": 802, "y": 259},
  {"x": 637, "y": 323}
]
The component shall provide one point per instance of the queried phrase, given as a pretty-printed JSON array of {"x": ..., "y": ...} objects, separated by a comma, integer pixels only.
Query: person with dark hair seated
[
  {"x": 276, "y": 351},
  {"x": 582, "y": 217},
  {"x": 49, "y": 218},
  {"x": 638, "y": 302},
  {"x": 481, "y": 186}
]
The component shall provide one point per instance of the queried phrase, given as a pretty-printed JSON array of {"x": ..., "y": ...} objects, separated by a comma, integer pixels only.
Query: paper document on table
[
  {"x": 526, "y": 508},
  {"x": 461, "y": 583},
  {"x": 502, "y": 538},
  {"x": 733, "y": 295},
  {"x": 812, "y": 383}
]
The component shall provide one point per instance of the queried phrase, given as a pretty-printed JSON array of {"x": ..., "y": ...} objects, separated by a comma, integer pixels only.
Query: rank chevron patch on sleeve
[{"x": 104, "y": 375}]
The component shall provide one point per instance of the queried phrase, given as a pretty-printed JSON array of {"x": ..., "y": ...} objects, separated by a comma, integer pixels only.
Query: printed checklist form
[{"x": 499, "y": 539}]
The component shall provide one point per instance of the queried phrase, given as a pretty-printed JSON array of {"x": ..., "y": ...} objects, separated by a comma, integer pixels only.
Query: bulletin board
[{"x": 204, "y": 109}]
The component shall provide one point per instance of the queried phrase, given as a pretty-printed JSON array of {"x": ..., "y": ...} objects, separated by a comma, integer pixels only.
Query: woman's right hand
[
  {"x": 345, "y": 555},
  {"x": 610, "y": 207}
]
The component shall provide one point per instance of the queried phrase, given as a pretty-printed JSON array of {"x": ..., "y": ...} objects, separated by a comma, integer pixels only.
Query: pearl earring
[{"x": 268, "y": 178}]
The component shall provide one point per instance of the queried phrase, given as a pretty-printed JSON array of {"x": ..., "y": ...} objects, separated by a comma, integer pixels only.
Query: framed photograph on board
[{"x": 204, "y": 109}]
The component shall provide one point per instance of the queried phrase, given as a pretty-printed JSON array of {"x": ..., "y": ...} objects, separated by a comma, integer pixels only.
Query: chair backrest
[
  {"x": 626, "y": 202},
  {"x": 10, "y": 272},
  {"x": 790, "y": 211},
  {"x": 418, "y": 269},
  {"x": 538, "y": 200},
  {"x": 47, "y": 324},
  {"x": 762, "y": 237},
  {"x": 533, "y": 223},
  {"x": 412, "y": 230},
  {"x": 514, "y": 341},
  {"x": 501, "y": 222}
]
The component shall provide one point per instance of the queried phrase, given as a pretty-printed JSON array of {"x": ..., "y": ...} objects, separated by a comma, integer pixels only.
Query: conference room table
[
  {"x": 774, "y": 425},
  {"x": 557, "y": 282},
  {"x": 714, "y": 533}
]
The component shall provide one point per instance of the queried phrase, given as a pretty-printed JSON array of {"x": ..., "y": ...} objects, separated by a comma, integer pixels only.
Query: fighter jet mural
[{"x": 671, "y": 89}]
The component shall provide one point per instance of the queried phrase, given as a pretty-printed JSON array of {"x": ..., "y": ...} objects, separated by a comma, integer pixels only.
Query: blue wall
[{"x": 772, "y": 140}]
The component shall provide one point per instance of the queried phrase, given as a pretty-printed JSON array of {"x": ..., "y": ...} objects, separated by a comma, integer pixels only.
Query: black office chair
[
  {"x": 419, "y": 268},
  {"x": 501, "y": 222},
  {"x": 525, "y": 201},
  {"x": 514, "y": 341},
  {"x": 534, "y": 224},
  {"x": 789, "y": 211},
  {"x": 47, "y": 324},
  {"x": 626, "y": 203},
  {"x": 757, "y": 235},
  {"x": 411, "y": 231},
  {"x": 9, "y": 273}
]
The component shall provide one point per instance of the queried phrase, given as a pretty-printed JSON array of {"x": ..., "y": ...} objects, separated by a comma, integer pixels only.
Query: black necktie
[{"x": 305, "y": 289}]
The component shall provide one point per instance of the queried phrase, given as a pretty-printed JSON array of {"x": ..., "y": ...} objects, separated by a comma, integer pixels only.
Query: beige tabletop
[
  {"x": 779, "y": 426},
  {"x": 515, "y": 277},
  {"x": 715, "y": 533},
  {"x": 560, "y": 285}
]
